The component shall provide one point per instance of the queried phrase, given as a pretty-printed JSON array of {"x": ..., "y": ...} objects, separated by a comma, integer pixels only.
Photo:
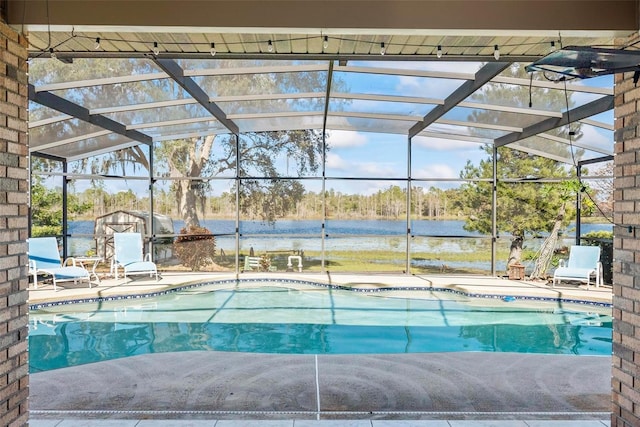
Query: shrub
[
  {"x": 195, "y": 247},
  {"x": 46, "y": 230},
  {"x": 265, "y": 263}
]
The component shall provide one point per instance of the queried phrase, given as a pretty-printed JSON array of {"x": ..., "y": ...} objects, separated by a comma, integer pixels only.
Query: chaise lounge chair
[
  {"x": 127, "y": 253},
  {"x": 584, "y": 261},
  {"x": 44, "y": 258}
]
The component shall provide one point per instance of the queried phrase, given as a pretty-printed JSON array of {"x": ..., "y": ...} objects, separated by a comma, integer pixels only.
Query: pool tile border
[{"x": 507, "y": 298}]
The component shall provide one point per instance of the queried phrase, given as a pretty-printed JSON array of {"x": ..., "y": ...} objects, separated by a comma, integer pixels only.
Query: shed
[{"x": 132, "y": 221}]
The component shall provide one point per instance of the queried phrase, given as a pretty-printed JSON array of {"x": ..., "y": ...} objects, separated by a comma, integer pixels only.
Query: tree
[
  {"x": 46, "y": 208},
  {"x": 566, "y": 192},
  {"x": 524, "y": 206},
  {"x": 602, "y": 189}
]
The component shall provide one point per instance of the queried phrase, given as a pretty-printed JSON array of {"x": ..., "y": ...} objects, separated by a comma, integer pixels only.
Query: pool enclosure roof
[{"x": 95, "y": 93}]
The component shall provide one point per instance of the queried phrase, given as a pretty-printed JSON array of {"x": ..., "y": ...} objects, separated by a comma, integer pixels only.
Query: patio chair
[
  {"x": 128, "y": 254},
  {"x": 44, "y": 258},
  {"x": 584, "y": 262}
]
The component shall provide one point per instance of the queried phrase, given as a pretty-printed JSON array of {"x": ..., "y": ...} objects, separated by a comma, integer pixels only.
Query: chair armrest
[
  {"x": 561, "y": 263},
  {"x": 147, "y": 257},
  {"x": 71, "y": 260},
  {"x": 32, "y": 266}
]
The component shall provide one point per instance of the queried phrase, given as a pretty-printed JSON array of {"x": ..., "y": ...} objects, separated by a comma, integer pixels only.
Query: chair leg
[{"x": 600, "y": 279}]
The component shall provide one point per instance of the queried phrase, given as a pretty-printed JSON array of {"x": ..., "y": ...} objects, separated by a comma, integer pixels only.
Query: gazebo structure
[{"x": 380, "y": 117}]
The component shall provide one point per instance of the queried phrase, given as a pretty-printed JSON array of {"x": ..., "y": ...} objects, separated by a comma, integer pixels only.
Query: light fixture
[
  {"x": 383, "y": 50},
  {"x": 270, "y": 46},
  {"x": 439, "y": 51},
  {"x": 213, "y": 49},
  {"x": 52, "y": 54},
  {"x": 97, "y": 45},
  {"x": 496, "y": 52},
  {"x": 156, "y": 51},
  {"x": 325, "y": 44},
  {"x": 553, "y": 46}
]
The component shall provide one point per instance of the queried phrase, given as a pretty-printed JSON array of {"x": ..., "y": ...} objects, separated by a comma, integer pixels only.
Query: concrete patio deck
[{"x": 238, "y": 389}]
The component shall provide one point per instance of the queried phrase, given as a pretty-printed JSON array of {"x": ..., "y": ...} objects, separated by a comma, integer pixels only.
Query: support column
[
  {"x": 14, "y": 186},
  {"x": 626, "y": 253}
]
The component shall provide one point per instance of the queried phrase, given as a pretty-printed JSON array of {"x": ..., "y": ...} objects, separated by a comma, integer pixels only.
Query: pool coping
[{"x": 361, "y": 288}]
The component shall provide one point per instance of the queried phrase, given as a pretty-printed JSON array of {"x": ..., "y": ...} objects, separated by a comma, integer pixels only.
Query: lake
[{"x": 351, "y": 235}]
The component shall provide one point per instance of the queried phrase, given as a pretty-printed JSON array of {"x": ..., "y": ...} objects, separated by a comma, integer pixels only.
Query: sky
[{"x": 384, "y": 154}]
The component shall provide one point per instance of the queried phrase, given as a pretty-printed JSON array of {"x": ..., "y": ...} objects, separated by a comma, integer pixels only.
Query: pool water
[{"x": 312, "y": 321}]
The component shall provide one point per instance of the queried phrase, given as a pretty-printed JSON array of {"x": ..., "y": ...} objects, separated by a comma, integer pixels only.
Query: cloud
[
  {"x": 428, "y": 88},
  {"x": 374, "y": 169},
  {"x": 364, "y": 169},
  {"x": 366, "y": 188},
  {"x": 336, "y": 162},
  {"x": 440, "y": 171},
  {"x": 342, "y": 138}
]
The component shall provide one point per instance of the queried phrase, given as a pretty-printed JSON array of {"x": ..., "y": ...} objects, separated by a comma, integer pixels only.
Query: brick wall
[
  {"x": 626, "y": 267},
  {"x": 14, "y": 357}
]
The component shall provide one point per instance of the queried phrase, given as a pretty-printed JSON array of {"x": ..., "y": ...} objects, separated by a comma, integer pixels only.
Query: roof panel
[
  {"x": 260, "y": 84},
  {"x": 121, "y": 94},
  {"x": 280, "y": 123},
  {"x": 199, "y": 127},
  {"x": 484, "y": 116},
  {"x": 84, "y": 148},
  {"x": 282, "y": 105},
  {"x": 399, "y": 85},
  {"x": 448, "y": 129},
  {"x": 510, "y": 95},
  {"x": 379, "y": 107},
  {"x": 361, "y": 124},
  {"x": 45, "y": 71},
  {"x": 151, "y": 115},
  {"x": 388, "y": 97},
  {"x": 59, "y": 132}
]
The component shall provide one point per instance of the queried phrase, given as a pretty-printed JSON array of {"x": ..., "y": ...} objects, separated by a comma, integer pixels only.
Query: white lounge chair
[
  {"x": 584, "y": 262},
  {"x": 44, "y": 258},
  {"x": 128, "y": 254}
]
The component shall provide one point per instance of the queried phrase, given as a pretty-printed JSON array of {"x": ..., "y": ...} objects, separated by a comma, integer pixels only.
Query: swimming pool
[{"x": 265, "y": 318}]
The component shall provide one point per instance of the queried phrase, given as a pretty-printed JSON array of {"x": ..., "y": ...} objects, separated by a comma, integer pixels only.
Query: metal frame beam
[
  {"x": 176, "y": 72},
  {"x": 582, "y": 112},
  {"x": 67, "y": 107},
  {"x": 483, "y": 75}
]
